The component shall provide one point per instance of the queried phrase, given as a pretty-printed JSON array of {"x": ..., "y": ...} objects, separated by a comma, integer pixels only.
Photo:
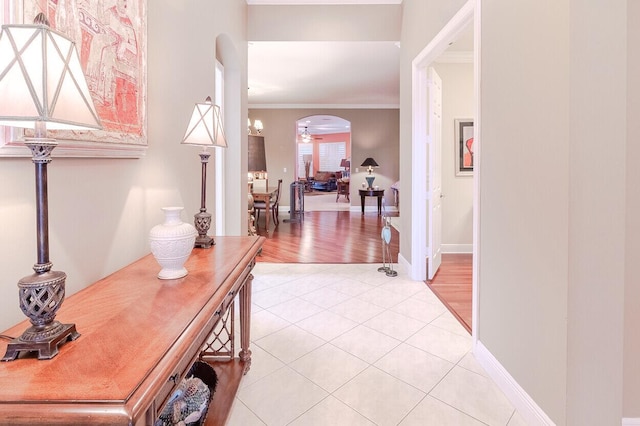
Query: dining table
[{"x": 265, "y": 196}]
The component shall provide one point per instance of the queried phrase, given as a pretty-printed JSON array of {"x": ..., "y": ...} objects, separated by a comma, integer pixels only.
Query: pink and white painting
[{"x": 110, "y": 36}]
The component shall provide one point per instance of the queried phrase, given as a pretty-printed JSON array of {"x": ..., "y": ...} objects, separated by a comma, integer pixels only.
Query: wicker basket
[{"x": 181, "y": 406}]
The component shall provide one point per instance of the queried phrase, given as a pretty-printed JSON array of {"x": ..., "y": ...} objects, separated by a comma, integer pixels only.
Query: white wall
[
  {"x": 457, "y": 204},
  {"x": 101, "y": 210}
]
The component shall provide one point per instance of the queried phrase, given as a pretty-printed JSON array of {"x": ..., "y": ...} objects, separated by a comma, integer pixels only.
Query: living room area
[{"x": 372, "y": 133}]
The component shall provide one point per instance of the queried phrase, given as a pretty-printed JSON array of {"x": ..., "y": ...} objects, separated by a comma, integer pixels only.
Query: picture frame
[
  {"x": 463, "y": 146},
  {"x": 111, "y": 39}
]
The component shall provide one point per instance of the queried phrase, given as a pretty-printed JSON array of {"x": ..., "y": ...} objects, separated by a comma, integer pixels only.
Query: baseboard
[
  {"x": 404, "y": 264},
  {"x": 369, "y": 209},
  {"x": 457, "y": 248},
  {"x": 631, "y": 422},
  {"x": 526, "y": 406}
]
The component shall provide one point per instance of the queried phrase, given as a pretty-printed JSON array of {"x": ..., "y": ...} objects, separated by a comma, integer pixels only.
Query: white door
[{"x": 434, "y": 184}]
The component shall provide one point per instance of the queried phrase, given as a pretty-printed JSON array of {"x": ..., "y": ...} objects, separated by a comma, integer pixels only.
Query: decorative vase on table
[{"x": 171, "y": 243}]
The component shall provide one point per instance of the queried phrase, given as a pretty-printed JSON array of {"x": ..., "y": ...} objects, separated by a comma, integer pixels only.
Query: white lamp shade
[
  {"x": 258, "y": 125},
  {"x": 205, "y": 126},
  {"x": 41, "y": 80}
]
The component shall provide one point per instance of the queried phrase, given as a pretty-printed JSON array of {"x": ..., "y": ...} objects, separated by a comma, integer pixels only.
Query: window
[{"x": 331, "y": 154}]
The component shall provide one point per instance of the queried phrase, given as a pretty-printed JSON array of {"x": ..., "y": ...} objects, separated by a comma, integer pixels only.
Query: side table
[
  {"x": 370, "y": 192},
  {"x": 343, "y": 189}
]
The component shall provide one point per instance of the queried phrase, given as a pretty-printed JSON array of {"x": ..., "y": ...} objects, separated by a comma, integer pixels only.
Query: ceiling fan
[{"x": 307, "y": 136}]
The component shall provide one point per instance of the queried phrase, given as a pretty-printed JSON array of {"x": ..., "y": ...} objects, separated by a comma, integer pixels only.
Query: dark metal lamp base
[
  {"x": 204, "y": 241},
  {"x": 47, "y": 345}
]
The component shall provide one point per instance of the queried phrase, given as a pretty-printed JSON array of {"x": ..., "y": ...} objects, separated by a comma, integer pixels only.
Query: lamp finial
[{"x": 41, "y": 19}]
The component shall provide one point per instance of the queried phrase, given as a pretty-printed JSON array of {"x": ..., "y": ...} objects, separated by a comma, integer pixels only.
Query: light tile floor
[{"x": 347, "y": 345}]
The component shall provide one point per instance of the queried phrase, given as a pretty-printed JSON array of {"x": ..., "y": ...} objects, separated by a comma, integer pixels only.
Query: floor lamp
[
  {"x": 205, "y": 130},
  {"x": 42, "y": 85}
]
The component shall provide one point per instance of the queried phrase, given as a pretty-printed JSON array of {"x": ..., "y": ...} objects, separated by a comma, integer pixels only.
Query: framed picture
[
  {"x": 110, "y": 37},
  {"x": 464, "y": 146}
]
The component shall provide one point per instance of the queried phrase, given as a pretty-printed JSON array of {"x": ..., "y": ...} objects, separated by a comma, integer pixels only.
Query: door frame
[
  {"x": 434, "y": 188},
  {"x": 420, "y": 64}
]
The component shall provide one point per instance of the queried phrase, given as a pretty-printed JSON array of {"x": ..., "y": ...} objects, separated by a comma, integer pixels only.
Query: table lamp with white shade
[
  {"x": 205, "y": 130},
  {"x": 42, "y": 86}
]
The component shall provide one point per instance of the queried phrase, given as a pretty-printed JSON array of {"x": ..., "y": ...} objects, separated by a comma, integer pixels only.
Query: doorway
[
  {"x": 323, "y": 158},
  {"x": 421, "y": 169}
]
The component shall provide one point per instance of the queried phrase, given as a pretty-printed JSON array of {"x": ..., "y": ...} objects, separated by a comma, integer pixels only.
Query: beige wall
[
  {"x": 552, "y": 233},
  {"x": 596, "y": 230},
  {"x": 524, "y": 211},
  {"x": 631, "y": 372},
  {"x": 374, "y": 133},
  {"x": 101, "y": 210},
  {"x": 325, "y": 23}
]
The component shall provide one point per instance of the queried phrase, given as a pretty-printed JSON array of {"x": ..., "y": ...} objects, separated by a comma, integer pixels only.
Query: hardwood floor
[
  {"x": 452, "y": 284},
  {"x": 327, "y": 237},
  {"x": 351, "y": 237}
]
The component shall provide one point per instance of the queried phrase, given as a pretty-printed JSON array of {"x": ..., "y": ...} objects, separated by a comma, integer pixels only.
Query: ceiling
[
  {"x": 307, "y": 74},
  {"x": 323, "y": 124}
]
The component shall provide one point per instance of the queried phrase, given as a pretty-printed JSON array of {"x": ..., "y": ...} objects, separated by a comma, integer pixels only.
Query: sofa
[{"x": 325, "y": 181}]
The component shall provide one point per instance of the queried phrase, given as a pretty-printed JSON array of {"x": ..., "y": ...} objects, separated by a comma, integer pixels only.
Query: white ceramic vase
[{"x": 171, "y": 243}]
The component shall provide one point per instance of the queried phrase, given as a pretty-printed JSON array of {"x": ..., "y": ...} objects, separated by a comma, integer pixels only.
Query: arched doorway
[{"x": 323, "y": 153}]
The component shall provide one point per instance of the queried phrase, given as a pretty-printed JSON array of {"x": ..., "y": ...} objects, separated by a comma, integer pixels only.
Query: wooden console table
[
  {"x": 139, "y": 337},
  {"x": 371, "y": 193}
]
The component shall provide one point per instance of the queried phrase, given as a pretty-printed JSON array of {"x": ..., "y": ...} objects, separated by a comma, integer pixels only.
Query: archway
[{"x": 323, "y": 153}]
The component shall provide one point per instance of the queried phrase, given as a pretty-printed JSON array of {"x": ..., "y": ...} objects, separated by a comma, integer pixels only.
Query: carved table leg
[{"x": 245, "y": 323}]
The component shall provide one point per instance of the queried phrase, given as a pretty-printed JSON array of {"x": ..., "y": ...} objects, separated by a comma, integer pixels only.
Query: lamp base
[
  {"x": 369, "y": 180},
  {"x": 45, "y": 340},
  {"x": 202, "y": 221},
  {"x": 204, "y": 242}
]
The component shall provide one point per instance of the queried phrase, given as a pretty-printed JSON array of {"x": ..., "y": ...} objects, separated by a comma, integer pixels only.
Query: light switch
[
  {"x": 357, "y": 170},
  {"x": 285, "y": 170}
]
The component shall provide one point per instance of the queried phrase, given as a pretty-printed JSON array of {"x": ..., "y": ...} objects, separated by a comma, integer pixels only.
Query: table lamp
[
  {"x": 347, "y": 165},
  {"x": 259, "y": 126},
  {"x": 205, "y": 130},
  {"x": 42, "y": 85},
  {"x": 370, "y": 163}
]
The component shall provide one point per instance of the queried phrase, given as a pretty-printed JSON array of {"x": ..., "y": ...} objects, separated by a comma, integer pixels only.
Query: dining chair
[{"x": 274, "y": 203}]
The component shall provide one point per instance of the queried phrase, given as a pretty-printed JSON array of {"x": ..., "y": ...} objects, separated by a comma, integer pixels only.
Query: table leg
[
  {"x": 379, "y": 205},
  {"x": 245, "y": 323},
  {"x": 362, "y": 203},
  {"x": 267, "y": 212}
]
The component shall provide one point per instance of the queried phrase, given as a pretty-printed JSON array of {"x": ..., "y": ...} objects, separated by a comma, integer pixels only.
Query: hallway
[{"x": 343, "y": 344}]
